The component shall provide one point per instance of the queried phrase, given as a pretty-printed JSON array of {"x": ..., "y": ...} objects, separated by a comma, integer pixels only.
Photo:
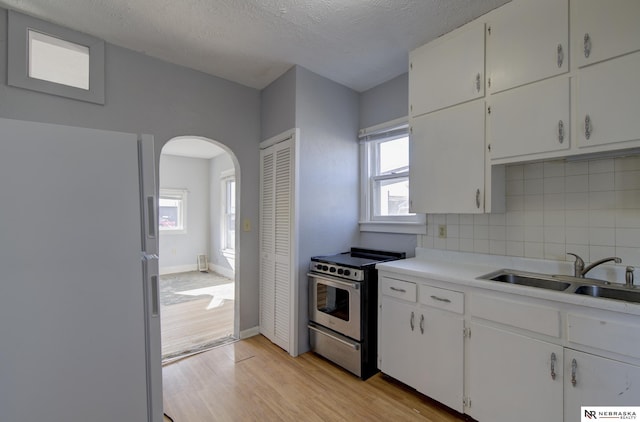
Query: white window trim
[
  {"x": 224, "y": 177},
  {"x": 173, "y": 192},
  {"x": 416, "y": 224},
  {"x": 18, "y": 54}
]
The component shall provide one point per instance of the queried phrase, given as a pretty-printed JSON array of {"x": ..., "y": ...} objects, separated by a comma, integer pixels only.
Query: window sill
[{"x": 393, "y": 227}]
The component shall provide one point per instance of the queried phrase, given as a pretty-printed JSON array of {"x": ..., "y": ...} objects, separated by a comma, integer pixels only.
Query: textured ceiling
[{"x": 358, "y": 43}]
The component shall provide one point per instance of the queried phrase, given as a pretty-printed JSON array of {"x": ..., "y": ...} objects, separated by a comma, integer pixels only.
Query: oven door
[{"x": 335, "y": 303}]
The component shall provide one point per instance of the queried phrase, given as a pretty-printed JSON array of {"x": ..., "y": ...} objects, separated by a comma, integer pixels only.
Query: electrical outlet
[
  {"x": 442, "y": 231},
  {"x": 246, "y": 225}
]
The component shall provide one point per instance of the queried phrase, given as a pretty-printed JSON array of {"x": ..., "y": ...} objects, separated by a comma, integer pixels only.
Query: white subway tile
[
  {"x": 534, "y": 202},
  {"x": 439, "y": 243},
  {"x": 514, "y": 172},
  {"x": 576, "y": 167},
  {"x": 514, "y": 187},
  {"x": 602, "y": 218},
  {"x": 627, "y": 163},
  {"x": 554, "y": 218},
  {"x": 481, "y": 245},
  {"x": 466, "y": 245},
  {"x": 533, "y": 171},
  {"x": 627, "y": 199},
  {"x": 515, "y": 218},
  {"x": 466, "y": 218},
  {"x": 630, "y": 256},
  {"x": 428, "y": 242},
  {"x": 580, "y": 250},
  {"x": 534, "y": 234},
  {"x": 601, "y": 182},
  {"x": 578, "y": 183},
  {"x": 515, "y": 248},
  {"x": 497, "y": 247},
  {"x": 515, "y": 233},
  {"x": 480, "y": 232},
  {"x": 534, "y": 250},
  {"x": 533, "y": 186},
  {"x": 553, "y": 185},
  {"x": 533, "y": 218},
  {"x": 629, "y": 238},
  {"x": 555, "y": 251},
  {"x": 466, "y": 231},
  {"x": 599, "y": 252},
  {"x": 482, "y": 219},
  {"x": 628, "y": 218},
  {"x": 554, "y": 201},
  {"x": 515, "y": 203},
  {"x": 576, "y": 201},
  {"x": 626, "y": 180},
  {"x": 576, "y": 218},
  {"x": 603, "y": 200},
  {"x": 497, "y": 232},
  {"x": 601, "y": 166},
  {"x": 453, "y": 230},
  {"x": 439, "y": 219},
  {"x": 453, "y": 244},
  {"x": 553, "y": 168},
  {"x": 453, "y": 219},
  {"x": 497, "y": 219},
  {"x": 554, "y": 235},
  {"x": 577, "y": 235}
]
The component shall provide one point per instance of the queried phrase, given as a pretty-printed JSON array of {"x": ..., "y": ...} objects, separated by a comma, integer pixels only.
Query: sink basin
[
  {"x": 609, "y": 293},
  {"x": 526, "y": 279}
]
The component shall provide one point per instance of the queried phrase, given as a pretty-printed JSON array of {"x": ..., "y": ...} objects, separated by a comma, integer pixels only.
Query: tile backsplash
[{"x": 589, "y": 207}]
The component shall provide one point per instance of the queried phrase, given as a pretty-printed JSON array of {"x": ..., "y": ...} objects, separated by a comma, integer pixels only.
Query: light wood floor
[
  {"x": 186, "y": 325},
  {"x": 254, "y": 380}
]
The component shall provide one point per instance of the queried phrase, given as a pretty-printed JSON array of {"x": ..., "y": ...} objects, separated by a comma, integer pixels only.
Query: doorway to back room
[{"x": 196, "y": 214}]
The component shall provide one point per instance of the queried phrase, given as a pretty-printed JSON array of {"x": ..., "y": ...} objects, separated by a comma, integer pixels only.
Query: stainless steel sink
[
  {"x": 626, "y": 295},
  {"x": 526, "y": 279}
]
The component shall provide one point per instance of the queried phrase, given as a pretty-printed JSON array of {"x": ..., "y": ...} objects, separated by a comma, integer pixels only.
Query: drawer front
[
  {"x": 449, "y": 300},
  {"x": 614, "y": 336},
  {"x": 400, "y": 289},
  {"x": 517, "y": 314}
]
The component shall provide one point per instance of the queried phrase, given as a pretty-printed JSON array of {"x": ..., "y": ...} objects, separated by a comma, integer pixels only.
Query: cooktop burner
[{"x": 356, "y": 258}]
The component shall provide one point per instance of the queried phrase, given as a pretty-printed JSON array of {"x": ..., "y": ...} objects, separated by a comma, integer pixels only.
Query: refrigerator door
[{"x": 73, "y": 295}]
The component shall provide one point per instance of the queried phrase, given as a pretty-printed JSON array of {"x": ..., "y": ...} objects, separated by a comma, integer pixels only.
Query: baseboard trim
[
  {"x": 226, "y": 272},
  {"x": 254, "y": 331},
  {"x": 178, "y": 269}
]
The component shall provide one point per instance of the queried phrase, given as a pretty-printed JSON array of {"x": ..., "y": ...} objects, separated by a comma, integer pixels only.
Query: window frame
[
  {"x": 19, "y": 26},
  {"x": 370, "y": 139},
  {"x": 176, "y": 194},
  {"x": 225, "y": 178}
]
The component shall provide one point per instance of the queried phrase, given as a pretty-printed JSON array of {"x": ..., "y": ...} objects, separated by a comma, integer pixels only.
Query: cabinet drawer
[
  {"x": 517, "y": 314},
  {"x": 400, "y": 289},
  {"x": 614, "y": 336},
  {"x": 442, "y": 298}
]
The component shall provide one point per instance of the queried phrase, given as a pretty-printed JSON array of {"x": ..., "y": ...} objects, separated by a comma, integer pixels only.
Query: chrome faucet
[{"x": 579, "y": 269}]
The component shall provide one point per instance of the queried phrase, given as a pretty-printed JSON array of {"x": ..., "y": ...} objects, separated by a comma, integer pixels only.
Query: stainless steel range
[{"x": 343, "y": 293}]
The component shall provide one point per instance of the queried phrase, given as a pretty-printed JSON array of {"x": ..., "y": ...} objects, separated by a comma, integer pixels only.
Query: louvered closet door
[{"x": 277, "y": 164}]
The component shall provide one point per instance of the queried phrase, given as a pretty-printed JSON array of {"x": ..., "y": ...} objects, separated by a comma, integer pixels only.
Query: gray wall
[
  {"x": 380, "y": 104},
  {"x": 278, "y": 111},
  {"x": 146, "y": 95},
  {"x": 192, "y": 174},
  {"x": 218, "y": 165}
]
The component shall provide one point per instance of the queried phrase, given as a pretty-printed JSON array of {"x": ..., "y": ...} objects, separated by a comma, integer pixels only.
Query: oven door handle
[
  {"x": 339, "y": 340},
  {"x": 334, "y": 282}
]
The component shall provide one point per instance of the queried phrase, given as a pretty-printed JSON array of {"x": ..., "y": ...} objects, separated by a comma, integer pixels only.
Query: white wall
[
  {"x": 178, "y": 251},
  {"x": 591, "y": 208}
]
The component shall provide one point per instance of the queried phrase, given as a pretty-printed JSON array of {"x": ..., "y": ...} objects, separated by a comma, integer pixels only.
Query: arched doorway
[{"x": 198, "y": 191}]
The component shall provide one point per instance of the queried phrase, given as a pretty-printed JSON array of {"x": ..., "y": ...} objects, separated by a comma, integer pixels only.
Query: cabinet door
[
  {"x": 604, "y": 29},
  {"x": 446, "y": 161},
  {"x": 598, "y": 382},
  {"x": 608, "y": 99},
  {"x": 447, "y": 71},
  {"x": 398, "y": 325},
  {"x": 531, "y": 119},
  {"x": 510, "y": 377},
  {"x": 441, "y": 356},
  {"x": 527, "y": 41}
]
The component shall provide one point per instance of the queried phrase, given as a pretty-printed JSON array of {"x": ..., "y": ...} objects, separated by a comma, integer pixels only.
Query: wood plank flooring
[{"x": 254, "y": 380}]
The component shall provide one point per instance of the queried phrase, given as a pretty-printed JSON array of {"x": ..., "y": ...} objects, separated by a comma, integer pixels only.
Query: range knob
[
  {"x": 332, "y": 269},
  {"x": 340, "y": 271},
  {"x": 347, "y": 272},
  {"x": 325, "y": 268}
]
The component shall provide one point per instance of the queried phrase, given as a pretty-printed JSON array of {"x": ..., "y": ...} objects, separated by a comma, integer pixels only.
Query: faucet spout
[{"x": 601, "y": 261}]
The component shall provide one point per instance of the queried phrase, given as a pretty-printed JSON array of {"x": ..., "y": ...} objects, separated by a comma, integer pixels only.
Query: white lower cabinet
[
  {"x": 596, "y": 381},
  {"x": 513, "y": 377},
  {"x": 423, "y": 346}
]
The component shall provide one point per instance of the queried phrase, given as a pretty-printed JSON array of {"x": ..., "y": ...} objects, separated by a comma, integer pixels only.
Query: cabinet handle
[
  {"x": 411, "y": 320},
  {"x": 478, "y": 198},
  {"x": 587, "y": 45},
  {"x": 440, "y": 299},
  {"x": 574, "y": 369},
  {"x": 553, "y": 366},
  {"x": 421, "y": 324},
  {"x": 478, "y": 77},
  {"x": 395, "y": 289},
  {"x": 560, "y": 131},
  {"x": 560, "y": 55},
  {"x": 587, "y": 127}
]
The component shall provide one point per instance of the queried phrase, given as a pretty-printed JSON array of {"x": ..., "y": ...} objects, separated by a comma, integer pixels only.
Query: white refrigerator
[{"x": 79, "y": 313}]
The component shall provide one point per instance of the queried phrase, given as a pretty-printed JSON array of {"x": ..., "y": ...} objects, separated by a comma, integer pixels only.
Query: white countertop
[{"x": 463, "y": 269}]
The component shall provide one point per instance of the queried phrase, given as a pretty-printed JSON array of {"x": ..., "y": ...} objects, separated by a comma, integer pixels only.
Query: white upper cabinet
[
  {"x": 446, "y": 160},
  {"x": 532, "y": 119},
  {"x": 527, "y": 40},
  {"x": 608, "y": 99},
  {"x": 604, "y": 29},
  {"x": 447, "y": 71}
]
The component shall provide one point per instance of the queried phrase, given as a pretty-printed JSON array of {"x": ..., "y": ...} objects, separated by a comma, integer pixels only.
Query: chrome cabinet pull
[
  {"x": 421, "y": 324},
  {"x": 395, "y": 289},
  {"x": 587, "y": 45},
  {"x": 440, "y": 299},
  {"x": 411, "y": 320},
  {"x": 478, "y": 198},
  {"x": 587, "y": 127},
  {"x": 574, "y": 369},
  {"x": 478, "y": 77},
  {"x": 560, "y": 131},
  {"x": 553, "y": 366},
  {"x": 560, "y": 53}
]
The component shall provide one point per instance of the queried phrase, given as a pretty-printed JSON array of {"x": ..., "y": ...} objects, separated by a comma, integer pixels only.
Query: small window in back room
[
  {"x": 49, "y": 58},
  {"x": 55, "y": 60}
]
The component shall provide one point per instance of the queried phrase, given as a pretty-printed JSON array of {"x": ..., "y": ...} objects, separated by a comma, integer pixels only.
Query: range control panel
[{"x": 337, "y": 271}]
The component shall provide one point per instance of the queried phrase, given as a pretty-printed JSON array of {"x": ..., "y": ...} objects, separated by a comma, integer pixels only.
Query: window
[
  {"x": 229, "y": 213},
  {"x": 385, "y": 186},
  {"x": 49, "y": 58},
  {"x": 172, "y": 213}
]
